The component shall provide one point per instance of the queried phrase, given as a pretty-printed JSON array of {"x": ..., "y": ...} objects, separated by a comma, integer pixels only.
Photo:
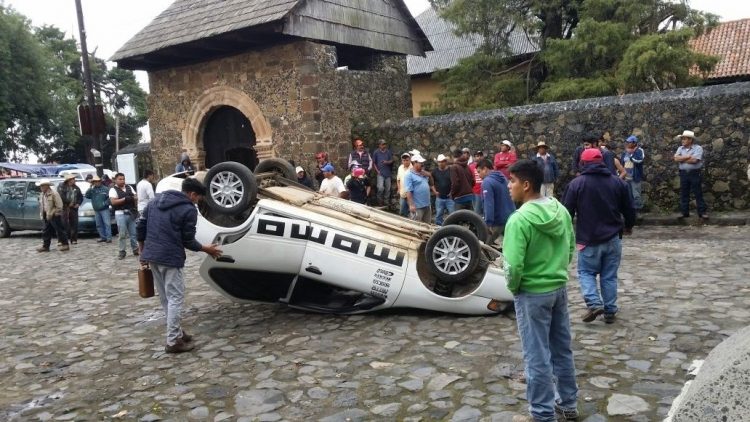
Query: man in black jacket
[
  {"x": 163, "y": 249},
  {"x": 605, "y": 210}
]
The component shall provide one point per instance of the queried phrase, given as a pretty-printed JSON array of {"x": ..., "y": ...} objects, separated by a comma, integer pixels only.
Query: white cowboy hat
[
  {"x": 688, "y": 134},
  {"x": 418, "y": 158},
  {"x": 441, "y": 157},
  {"x": 43, "y": 182},
  {"x": 507, "y": 142},
  {"x": 299, "y": 169}
]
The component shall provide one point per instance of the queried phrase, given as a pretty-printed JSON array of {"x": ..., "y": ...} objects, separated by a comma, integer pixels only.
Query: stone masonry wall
[
  {"x": 309, "y": 105},
  {"x": 719, "y": 115}
]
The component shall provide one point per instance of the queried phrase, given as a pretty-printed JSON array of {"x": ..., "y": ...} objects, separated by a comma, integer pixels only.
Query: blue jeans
[
  {"x": 691, "y": 181},
  {"x": 384, "y": 189},
  {"x": 602, "y": 259},
  {"x": 442, "y": 206},
  {"x": 103, "y": 224},
  {"x": 479, "y": 204},
  {"x": 544, "y": 328},
  {"x": 126, "y": 228},
  {"x": 404, "y": 211},
  {"x": 635, "y": 192}
]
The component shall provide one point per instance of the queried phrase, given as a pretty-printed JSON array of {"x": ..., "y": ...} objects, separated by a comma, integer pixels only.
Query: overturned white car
[{"x": 284, "y": 243}]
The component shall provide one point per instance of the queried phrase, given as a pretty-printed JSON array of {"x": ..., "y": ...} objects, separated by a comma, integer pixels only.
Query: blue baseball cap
[
  {"x": 327, "y": 168},
  {"x": 632, "y": 139}
]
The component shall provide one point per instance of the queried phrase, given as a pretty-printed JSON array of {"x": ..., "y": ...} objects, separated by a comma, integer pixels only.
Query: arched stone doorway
[
  {"x": 215, "y": 108},
  {"x": 229, "y": 136}
]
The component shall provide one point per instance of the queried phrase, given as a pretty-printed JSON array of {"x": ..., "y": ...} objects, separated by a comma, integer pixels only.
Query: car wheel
[
  {"x": 470, "y": 220},
  {"x": 4, "y": 228},
  {"x": 231, "y": 188},
  {"x": 452, "y": 253},
  {"x": 277, "y": 165}
]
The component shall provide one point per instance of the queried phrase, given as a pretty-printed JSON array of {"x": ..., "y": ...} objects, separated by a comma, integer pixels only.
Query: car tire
[
  {"x": 230, "y": 188},
  {"x": 470, "y": 220},
  {"x": 4, "y": 227},
  {"x": 452, "y": 253},
  {"x": 277, "y": 165}
]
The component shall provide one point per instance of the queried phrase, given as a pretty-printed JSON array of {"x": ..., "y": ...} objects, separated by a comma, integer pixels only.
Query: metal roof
[{"x": 449, "y": 48}]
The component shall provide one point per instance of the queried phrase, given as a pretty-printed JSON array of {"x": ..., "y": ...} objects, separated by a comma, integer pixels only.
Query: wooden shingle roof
[
  {"x": 190, "y": 27},
  {"x": 731, "y": 42}
]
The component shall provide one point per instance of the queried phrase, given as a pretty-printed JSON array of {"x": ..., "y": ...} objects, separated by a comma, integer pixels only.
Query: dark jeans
[
  {"x": 691, "y": 181},
  {"x": 51, "y": 226},
  {"x": 70, "y": 222}
]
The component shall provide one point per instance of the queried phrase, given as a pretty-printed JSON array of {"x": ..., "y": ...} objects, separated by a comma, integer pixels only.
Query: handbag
[{"x": 145, "y": 281}]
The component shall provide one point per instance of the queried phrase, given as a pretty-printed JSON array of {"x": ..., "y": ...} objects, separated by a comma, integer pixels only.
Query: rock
[
  {"x": 318, "y": 393},
  {"x": 412, "y": 385},
  {"x": 380, "y": 365},
  {"x": 84, "y": 329},
  {"x": 387, "y": 410},
  {"x": 622, "y": 404},
  {"x": 466, "y": 414},
  {"x": 641, "y": 365},
  {"x": 440, "y": 381},
  {"x": 602, "y": 382},
  {"x": 349, "y": 415},
  {"x": 451, "y": 345},
  {"x": 200, "y": 413},
  {"x": 256, "y": 402},
  {"x": 150, "y": 417}
]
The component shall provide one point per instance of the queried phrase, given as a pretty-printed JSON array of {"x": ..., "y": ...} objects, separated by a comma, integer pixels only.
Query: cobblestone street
[{"x": 78, "y": 343}]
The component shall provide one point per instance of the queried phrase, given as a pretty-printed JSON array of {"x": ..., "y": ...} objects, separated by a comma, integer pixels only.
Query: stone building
[{"x": 245, "y": 80}]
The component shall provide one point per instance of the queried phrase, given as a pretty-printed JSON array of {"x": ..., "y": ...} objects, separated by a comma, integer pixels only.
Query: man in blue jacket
[
  {"x": 498, "y": 205},
  {"x": 548, "y": 164},
  {"x": 605, "y": 210},
  {"x": 166, "y": 227},
  {"x": 632, "y": 160}
]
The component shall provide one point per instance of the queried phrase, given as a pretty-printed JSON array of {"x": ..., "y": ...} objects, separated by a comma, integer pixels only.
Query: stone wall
[
  {"x": 719, "y": 115},
  {"x": 300, "y": 102}
]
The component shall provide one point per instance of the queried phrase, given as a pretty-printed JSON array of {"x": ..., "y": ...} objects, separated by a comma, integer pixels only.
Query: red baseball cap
[{"x": 592, "y": 155}]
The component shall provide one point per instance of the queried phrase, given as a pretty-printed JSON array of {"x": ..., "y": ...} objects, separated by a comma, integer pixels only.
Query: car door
[
  {"x": 350, "y": 261},
  {"x": 31, "y": 219},
  {"x": 11, "y": 197}
]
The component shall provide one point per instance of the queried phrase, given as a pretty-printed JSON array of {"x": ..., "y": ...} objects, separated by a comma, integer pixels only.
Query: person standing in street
[
  {"x": 417, "y": 187},
  {"x": 443, "y": 202},
  {"x": 548, "y": 164},
  {"x": 401, "y": 173},
  {"x": 604, "y": 210},
  {"x": 538, "y": 247},
  {"x": 50, "y": 210},
  {"x": 165, "y": 229},
  {"x": 498, "y": 205},
  {"x": 303, "y": 178},
  {"x": 462, "y": 182},
  {"x": 71, "y": 198},
  {"x": 360, "y": 155},
  {"x": 322, "y": 160},
  {"x": 382, "y": 159},
  {"x": 589, "y": 141},
  {"x": 144, "y": 190},
  {"x": 690, "y": 159},
  {"x": 632, "y": 163},
  {"x": 124, "y": 202},
  {"x": 331, "y": 185},
  {"x": 99, "y": 196},
  {"x": 505, "y": 158},
  {"x": 358, "y": 186},
  {"x": 477, "y": 188}
]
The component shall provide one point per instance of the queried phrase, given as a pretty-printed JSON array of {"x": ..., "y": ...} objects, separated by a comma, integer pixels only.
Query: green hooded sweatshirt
[{"x": 538, "y": 247}]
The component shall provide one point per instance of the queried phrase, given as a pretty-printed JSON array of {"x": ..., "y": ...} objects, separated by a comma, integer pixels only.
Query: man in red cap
[{"x": 603, "y": 205}]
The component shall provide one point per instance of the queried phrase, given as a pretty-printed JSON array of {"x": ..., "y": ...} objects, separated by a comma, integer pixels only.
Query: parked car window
[
  {"x": 17, "y": 191},
  {"x": 33, "y": 191}
]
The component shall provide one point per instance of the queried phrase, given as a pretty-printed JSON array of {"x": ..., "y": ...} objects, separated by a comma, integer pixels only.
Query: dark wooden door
[{"x": 229, "y": 136}]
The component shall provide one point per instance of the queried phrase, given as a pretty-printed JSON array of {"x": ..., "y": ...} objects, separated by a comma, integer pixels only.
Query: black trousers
[
  {"x": 691, "y": 181},
  {"x": 70, "y": 222},
  {"x": 51, "y": 226}
]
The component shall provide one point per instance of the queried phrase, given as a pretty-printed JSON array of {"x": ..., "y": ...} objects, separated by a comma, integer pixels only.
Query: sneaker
[
  {"x": 42, "y": 249},
  {"x": 591, "y": 314},
  {"x": 63, "y": 248},
  {"x": 180, "y": 346},
  {"x": 187, "y": 338},
  {"x": 101, "y": 240},
  {"x": 121, "y": 255},
  {"x": 566, "y": 414},
  {"x": 609, "y": 318}
]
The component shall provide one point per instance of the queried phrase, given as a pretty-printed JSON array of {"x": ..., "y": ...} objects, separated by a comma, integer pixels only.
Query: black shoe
[
  {"x": 609, "y": 318},
  {"x": 101, "y": 240},
  {"x": 187, "y": 338},
  {"x": 566, "y": 414},
  {"x": 135, "y": 252},
  {"x": 180, "y": 346},
  {"x": 121, "y": 255},
  {"x": 73, "y": 242},
  {"x": 591, "y": 314}
]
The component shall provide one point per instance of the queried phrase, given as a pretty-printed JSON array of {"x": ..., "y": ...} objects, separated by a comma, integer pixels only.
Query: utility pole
[{"x": 96, "y": 157}]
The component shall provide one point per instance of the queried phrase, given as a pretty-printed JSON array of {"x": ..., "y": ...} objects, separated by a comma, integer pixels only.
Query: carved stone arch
[{"x": 210, "y": 100}]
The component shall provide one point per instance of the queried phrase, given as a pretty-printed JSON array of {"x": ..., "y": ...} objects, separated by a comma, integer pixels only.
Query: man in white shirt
[
  {"x": 145, "y": 190},
  {"x": 124, "y": 202},
  {"x": 331, "y": 185}
]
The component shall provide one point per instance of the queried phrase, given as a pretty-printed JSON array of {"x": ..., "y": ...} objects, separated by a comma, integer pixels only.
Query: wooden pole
[{"x": 96, "y": 161}]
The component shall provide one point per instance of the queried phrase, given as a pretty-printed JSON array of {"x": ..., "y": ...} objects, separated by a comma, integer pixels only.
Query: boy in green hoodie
[{"x": 538, "y": 247}]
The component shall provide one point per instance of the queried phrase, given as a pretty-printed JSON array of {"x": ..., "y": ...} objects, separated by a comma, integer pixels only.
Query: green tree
[{"x": 587, "y": 48}]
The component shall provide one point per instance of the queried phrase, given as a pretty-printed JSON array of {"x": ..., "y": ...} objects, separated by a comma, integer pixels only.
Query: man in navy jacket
[
  {"x": 605, "y": 210},
  {"x": 498, "y": 205},
  {"x": 165, "y": 229}
]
